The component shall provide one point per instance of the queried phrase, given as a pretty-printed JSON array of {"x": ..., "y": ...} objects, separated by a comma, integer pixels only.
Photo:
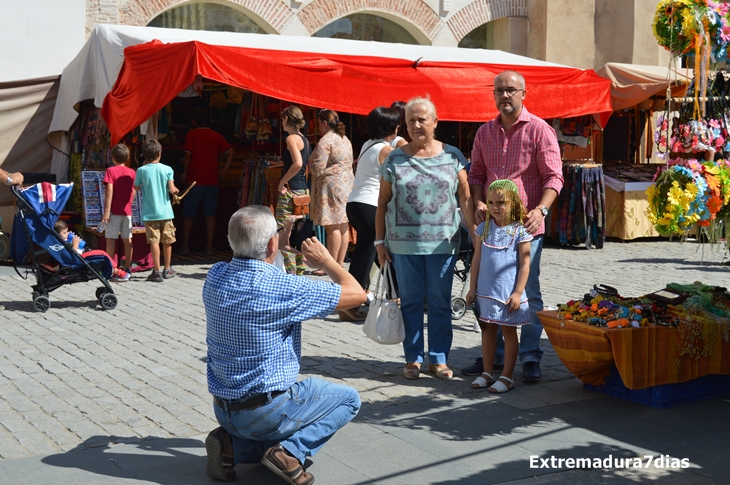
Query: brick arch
[
  {"x": 271, "y": 15},
  {"x": 411, "y": 14},
  {"x": 479, "y": 12}
]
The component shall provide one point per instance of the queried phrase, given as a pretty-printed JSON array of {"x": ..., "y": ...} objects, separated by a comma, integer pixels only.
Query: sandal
[
  {"x": 318, "y": 272},
  {"x": 411, "y": 373},
  {"x": 499, "y": 387},
  {"x": 184, "y": 252},
  {"x": 352, "y": 315},
  {"x": 441, "y": 372},
  {"x": 209, "y": 251},
  {"x": 481, "y": 383}
]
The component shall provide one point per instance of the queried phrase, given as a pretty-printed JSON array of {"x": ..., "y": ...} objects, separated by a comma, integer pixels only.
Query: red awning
[{"x": 153, "y": 73}]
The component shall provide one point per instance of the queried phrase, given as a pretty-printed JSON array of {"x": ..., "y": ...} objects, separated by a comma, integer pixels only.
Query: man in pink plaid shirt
[{"x": 521, "y": 147}]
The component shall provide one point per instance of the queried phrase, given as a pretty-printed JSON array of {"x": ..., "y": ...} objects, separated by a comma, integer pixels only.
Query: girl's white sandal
[
  {"x": 480, "y": 382},
  {"x": 500, "y": 387}
]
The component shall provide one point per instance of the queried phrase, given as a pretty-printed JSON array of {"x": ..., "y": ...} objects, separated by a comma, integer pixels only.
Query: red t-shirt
[
  {"x": 122, "y": 179},
  {"x": 205, "y": 147}
]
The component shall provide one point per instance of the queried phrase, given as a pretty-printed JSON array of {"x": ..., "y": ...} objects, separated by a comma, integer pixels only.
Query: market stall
[
  {"x": 137, "y": 76},
  {"x": 627, "y": 202},
  {"x": 630, "y": 160},
  {"x": 671, "y": 346},
  {"x": 652, "y": 343}
]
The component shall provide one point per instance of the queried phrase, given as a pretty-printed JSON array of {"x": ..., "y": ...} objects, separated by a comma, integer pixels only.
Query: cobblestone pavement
[{"x": 77, "y": 374}]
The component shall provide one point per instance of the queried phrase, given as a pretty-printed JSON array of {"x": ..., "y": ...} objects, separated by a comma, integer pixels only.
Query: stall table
[
  {"x": 644, "y": 357},
  {"x": 140, "y": 248},
  {"x": 626, "y": 210}
]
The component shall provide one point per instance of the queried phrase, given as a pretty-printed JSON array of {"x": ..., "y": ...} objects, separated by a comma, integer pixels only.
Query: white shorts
[{"x": 119, "y": 225}]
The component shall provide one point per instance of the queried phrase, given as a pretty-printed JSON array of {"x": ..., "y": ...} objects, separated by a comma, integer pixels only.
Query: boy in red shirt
[{"x": 119, "y": 182}]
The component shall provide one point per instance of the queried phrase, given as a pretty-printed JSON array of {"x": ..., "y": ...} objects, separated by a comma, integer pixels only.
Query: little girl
[{"x": 498, "y": 277}]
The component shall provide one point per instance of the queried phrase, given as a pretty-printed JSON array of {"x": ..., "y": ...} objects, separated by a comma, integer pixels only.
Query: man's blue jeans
[
  {"x": 302, "y": 420},
  {"x": 428, "y": 277},
  {"x": 529, "y": 334}
]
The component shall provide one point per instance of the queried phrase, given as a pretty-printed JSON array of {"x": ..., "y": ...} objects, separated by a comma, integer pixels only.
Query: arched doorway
[
  {"x": 480, "y": 38},
  {"x": 361, "y": 26},
  {"x": 206, "y": 16}
]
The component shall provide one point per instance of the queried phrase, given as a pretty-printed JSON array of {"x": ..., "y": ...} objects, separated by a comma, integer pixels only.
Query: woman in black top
[{"x": 293, "y": 181}]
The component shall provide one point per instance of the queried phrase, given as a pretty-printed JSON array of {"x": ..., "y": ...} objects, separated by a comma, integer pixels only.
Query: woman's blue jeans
[
  {"x": 302, "y": 420},
  {"x": 426, "y": 278}
]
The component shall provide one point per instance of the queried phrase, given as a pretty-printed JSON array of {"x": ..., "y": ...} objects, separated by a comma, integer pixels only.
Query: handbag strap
[
  {"x": 393, "y": 293},
  {"x": 386, "y": 273}
]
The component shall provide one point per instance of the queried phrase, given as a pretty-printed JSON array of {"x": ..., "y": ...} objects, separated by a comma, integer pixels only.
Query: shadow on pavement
[
  {"x": 484, "y": 439},
  {"x": 27, "y": 306},
  {"x": 166, "y": 461},
  {"x": 156, "y": 460},
  {"x": 702, "y": 266}
]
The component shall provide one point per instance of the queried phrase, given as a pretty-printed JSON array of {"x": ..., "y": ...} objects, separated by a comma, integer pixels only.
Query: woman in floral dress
[{"x": 331, "y": 166}]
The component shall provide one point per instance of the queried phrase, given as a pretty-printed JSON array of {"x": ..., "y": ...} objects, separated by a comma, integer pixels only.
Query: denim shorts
[{"x": 205, "y": 194}]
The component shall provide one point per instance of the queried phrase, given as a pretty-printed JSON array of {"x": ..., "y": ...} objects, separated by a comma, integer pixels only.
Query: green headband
[{"x": 504, "y": 184}]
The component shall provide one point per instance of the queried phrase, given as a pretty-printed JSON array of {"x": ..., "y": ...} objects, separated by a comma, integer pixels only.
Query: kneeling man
[{"x": 254, "y": 314}]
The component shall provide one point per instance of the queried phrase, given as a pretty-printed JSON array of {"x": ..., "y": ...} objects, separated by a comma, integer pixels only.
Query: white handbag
[{"x": 384, "y": 323}]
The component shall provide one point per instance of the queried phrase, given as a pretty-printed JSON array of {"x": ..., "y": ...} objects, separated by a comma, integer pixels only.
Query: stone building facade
[{"x": 579, "y": 33}]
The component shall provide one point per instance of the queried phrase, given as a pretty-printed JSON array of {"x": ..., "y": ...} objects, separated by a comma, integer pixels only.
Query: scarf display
[{"x": 581, "y": 210}]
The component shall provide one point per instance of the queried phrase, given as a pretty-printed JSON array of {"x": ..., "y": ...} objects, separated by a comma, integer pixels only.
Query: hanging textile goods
[
  {"x": 259, "y": 181},
  {"x": 581, "y": 209}
]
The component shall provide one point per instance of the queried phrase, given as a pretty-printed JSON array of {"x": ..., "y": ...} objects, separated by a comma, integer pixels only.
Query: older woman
[
  {"x": 417, "y": 228},
  {"x": 382, "y": 125},
  {"x": 331, "y": 164}
]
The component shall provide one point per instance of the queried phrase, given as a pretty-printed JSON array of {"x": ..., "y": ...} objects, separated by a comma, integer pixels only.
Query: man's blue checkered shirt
[{"x": 254, "y": 331}]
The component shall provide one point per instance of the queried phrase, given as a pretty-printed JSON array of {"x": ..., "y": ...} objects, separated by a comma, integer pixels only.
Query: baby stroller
[
  {"x": 461, "y": 274},
  {"x": 38, "y": 208}
]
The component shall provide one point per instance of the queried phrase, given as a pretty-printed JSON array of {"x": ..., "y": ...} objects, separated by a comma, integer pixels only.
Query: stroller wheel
[
  {"x": 458, "y": 308},
  {"x": 108, "y": 301},
  {"x": 100, "y": 291},
  {"x": 41, "y": 303}
]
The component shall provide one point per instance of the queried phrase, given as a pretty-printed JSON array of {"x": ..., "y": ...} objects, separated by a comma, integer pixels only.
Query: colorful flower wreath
[
  {"x": 689, "y": 192},
  {"x": 675, "y": 201},
  {"x": 680, "y": 24}
]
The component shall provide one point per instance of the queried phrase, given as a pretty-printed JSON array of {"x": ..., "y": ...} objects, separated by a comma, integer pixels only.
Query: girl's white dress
[{"x": 498, "y": 274}]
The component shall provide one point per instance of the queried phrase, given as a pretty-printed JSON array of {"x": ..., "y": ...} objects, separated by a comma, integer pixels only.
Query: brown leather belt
[{"x": 250, "y": 403}]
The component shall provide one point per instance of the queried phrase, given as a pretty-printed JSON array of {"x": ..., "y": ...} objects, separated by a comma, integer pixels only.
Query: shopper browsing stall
[
  {"x": 156, "y": 181},
  {"x": 119, "y": 182},
  {"x": 331, "y": 165},
  {"x": 203, "y": 148},
  {"x": 293, "y": 182}
]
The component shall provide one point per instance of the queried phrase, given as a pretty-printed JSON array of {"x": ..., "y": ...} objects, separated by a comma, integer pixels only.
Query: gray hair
[
  {"x": 418, "y": 100},
  {"x": 249, "y": 231}
]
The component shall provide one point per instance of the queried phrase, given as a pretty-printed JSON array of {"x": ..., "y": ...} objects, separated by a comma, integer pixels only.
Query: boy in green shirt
[{"x": 156, "y": 180}]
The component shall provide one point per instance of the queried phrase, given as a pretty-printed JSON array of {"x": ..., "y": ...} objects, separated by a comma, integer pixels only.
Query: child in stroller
[
  {"x": 38, "y": 209},
  {"x": 108, "y": 270}
]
